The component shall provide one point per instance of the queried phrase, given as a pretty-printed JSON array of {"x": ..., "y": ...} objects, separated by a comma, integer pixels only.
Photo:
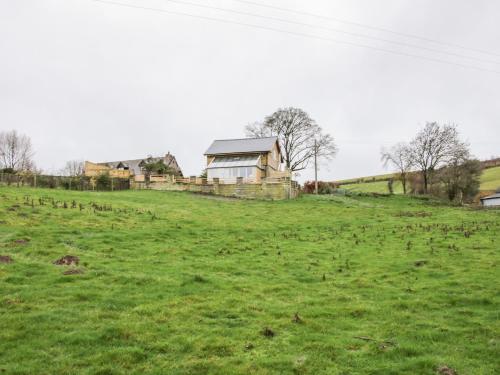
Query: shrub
[
  {"x": 324, "y": 187},
  {"x": 103, "y": 182}
]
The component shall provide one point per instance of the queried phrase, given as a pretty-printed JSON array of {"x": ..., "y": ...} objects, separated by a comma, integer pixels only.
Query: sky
[{"x": 100, "y": 81}]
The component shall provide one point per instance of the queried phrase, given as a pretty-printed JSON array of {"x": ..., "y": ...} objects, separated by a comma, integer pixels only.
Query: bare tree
[
  {"x": 435, "y": 146},
  {"x": 16, "y": 151},
  {"x": 299, "y": 136},
  {"x": 399, "y": 156},
  {"x": 74, "y": 168},
  {"x": 460, "y": 179},
  {"x": 257, "y": 130}
]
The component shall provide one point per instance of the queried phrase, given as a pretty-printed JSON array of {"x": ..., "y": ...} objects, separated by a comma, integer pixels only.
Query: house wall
[
  {"x": 93, "y": 169},
  {"x": 491, "y": 202},
  {"x": 119, "y": 173},
  {"x": 274, "y": 158}
]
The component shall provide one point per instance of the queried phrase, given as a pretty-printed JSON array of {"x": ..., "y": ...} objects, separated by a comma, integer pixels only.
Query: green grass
[
  {"x": 368, "y": 179},
  {"x": 176, "y": 283},
  {"x": 490, "y": 180},
  {"x": 374, "y": 187}
]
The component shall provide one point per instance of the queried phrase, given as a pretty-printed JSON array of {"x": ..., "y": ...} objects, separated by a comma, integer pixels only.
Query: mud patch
[
  {"x": 445, "y": 370},
  {"x": 268, "y": 332},
  {"x": 21, "y": 241},
  {"x": 75, "y": 271},
  {"x": 67, "y": 260},
  {"x": 420, "y": 263},
  {"x": 5, "y": 259},
  {"x": 413, "y": 214}
]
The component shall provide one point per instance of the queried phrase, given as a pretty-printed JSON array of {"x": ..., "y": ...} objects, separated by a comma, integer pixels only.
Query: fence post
[{"x": 112, "y": 185}]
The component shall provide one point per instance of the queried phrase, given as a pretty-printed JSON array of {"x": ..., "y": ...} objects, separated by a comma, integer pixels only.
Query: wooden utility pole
[{"x": 315, "y": 167}]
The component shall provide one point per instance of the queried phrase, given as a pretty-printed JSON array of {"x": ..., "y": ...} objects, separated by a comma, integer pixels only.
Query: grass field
[
  {"x": 173, "y": 283},
  {"x": 374, "y": 187},
  {"x": 490, "y": 180}
]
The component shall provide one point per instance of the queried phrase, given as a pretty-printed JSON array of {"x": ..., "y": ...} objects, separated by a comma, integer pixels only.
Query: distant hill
[{"x": 490, "y": 180}]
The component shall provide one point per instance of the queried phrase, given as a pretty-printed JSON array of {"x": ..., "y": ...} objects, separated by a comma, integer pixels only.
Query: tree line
[{"x": 436, "y": 161}]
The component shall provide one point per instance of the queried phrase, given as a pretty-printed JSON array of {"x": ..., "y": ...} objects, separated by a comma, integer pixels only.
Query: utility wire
[
  {"x": 331, "y": 29},
  {"x": 310, "y": 36},
  {"x": 255, "y": 3}
]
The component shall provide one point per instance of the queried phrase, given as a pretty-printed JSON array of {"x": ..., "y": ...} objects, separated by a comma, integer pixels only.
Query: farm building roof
[
  {"x": 241, "y": 146},
  {"x": 494, "y": 196}
]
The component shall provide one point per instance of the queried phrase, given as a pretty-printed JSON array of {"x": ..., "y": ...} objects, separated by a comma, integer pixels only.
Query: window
[{"x": 231, "y": 173}]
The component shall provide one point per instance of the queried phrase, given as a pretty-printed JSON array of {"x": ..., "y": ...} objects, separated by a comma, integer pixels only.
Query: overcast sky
[{"x": 95, "y": 81}]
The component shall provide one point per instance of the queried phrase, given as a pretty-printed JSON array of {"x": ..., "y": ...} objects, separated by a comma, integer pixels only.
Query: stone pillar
[
  {"x": 239, "y": 180},
  {"x": 192, "y": 179}
]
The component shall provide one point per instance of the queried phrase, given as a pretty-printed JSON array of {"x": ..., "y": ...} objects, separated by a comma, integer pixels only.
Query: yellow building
[{"x": 129, "y": 168}]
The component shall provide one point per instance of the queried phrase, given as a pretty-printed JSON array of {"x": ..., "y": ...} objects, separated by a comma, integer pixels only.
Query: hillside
[
  {"x": 174, "y": 283},
  {"x": 490, "y": 180}
]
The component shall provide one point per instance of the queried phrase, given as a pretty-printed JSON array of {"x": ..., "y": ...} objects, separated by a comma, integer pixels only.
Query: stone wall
[{"x": 276, "y": 190}]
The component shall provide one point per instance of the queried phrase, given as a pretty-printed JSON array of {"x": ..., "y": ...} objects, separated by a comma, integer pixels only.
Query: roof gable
[
  {"x": 494, "y": 196},
  {"x": 244, "y": 145}
]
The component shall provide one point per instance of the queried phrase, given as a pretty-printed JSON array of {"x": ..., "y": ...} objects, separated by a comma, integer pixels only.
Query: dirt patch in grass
[
  {"x": 21, "y": 241},
  {"x": 67, "y": 260},
  {"x": 268, "y": 332},
  {"x": 217, "y": 197},
  {"x": 413, "y": 214},
  {"x": 420, "y": 263},
  {"x": 75, "y": 271},
  {"x": 445, "y": 370},
  {"x": 5, "y": 259}
]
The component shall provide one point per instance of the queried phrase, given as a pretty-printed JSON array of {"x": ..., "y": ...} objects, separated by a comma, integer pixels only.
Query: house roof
[
  {"x": 494, "y": 196},
  {"x": 241, "y": 146}
]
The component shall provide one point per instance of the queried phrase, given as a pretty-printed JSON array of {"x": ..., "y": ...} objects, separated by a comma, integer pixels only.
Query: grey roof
[
  {"x": 494, "y": 196},
  {"x": 244, "y": 145}
]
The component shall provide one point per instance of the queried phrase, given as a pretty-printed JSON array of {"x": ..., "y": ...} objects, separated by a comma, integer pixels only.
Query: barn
[{"x": 491, "y": 200}]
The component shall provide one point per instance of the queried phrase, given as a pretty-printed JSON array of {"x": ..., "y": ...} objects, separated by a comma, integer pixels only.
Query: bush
[
  {"x": 324, "y": 187},
  {"x": 103, "y": 182}
]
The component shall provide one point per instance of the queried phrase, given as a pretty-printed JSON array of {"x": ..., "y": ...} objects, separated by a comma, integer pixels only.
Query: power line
[
  {"x": 310, "y": 36},
  {"x": 248, "y": 2},
  {"x": 330, "y": 29}
]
